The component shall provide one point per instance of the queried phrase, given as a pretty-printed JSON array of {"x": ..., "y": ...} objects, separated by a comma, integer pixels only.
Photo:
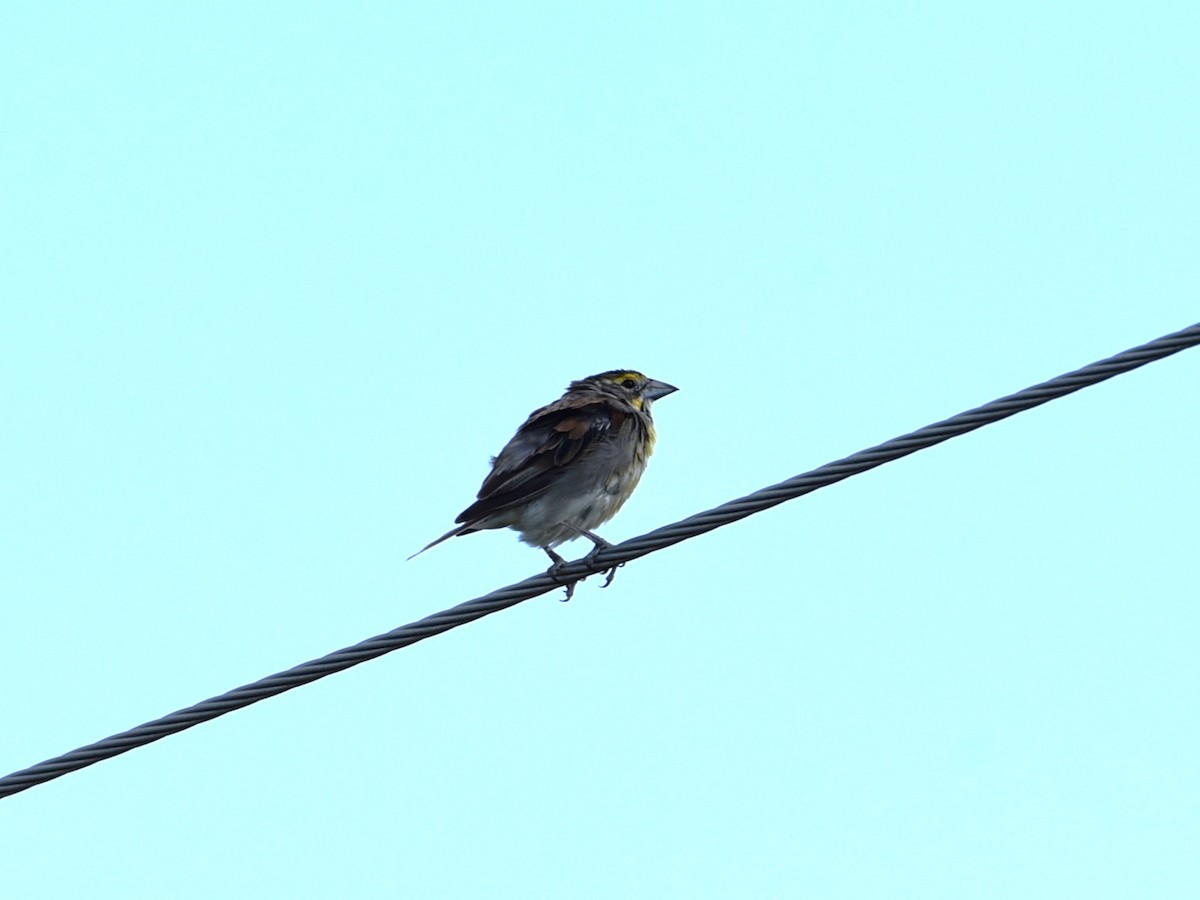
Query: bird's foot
[
  {"x": 555, "y": 572},
  {"x": 610, "y": 574},
  {"x": 598, "y": 544}
]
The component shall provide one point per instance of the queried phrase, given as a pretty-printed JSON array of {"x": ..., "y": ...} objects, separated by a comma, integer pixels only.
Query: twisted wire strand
[{"x": 631, "y": 549}]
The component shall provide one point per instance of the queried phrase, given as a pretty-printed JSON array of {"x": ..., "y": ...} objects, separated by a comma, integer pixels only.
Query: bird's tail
[{"x": 453, "y": 532}]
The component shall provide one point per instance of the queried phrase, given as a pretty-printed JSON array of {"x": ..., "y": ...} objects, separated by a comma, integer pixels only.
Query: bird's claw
[
  {"x": 598, "y": 544},
  {"x": 611, "y": 574},
  {"x": 555, "y": 572}
]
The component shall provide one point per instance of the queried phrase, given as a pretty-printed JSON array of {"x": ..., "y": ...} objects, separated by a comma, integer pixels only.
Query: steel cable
[{"x": 615, "y": 555}]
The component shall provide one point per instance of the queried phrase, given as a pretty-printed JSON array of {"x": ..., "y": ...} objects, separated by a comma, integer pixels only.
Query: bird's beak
[{"x": 655, "y": 390}]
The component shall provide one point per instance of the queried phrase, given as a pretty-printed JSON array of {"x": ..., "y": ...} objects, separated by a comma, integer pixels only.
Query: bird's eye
[{"x": 629, "y": 383}]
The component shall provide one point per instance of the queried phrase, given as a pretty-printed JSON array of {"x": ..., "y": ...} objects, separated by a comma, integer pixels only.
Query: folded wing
[{"x": 533, "y": 459}]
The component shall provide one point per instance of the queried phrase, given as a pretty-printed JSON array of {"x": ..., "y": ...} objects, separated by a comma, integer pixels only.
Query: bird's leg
[
  {"x": 554, "y": 571},
  {"x": 598, "y": 544}
]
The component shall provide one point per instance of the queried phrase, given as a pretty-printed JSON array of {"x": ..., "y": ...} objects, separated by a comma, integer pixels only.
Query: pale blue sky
[{"x": 279, "y": 279}]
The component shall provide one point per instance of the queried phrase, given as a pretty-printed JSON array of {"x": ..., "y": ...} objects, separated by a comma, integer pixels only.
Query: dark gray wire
[{"x": 606, "y": 559}]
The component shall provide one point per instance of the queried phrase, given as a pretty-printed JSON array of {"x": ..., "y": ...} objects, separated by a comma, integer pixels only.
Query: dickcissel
[{"x": 571, "y": 466}]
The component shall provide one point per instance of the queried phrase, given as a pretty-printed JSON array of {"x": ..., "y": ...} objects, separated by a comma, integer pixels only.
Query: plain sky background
[{"x": 279, "y": 278}]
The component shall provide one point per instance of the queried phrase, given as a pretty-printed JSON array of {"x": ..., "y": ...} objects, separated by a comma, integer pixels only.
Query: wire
[{"x": 604, "y": 560}]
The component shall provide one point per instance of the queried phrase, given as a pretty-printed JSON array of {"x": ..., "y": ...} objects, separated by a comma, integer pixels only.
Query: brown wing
[{"x": 533, "y": 459}]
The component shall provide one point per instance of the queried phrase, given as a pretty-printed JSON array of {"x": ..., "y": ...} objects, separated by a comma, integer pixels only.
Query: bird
[{"x": 570, "y": 467}]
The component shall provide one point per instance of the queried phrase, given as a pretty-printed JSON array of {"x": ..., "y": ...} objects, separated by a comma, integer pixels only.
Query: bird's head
[{"x": 629, "y": 385}]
